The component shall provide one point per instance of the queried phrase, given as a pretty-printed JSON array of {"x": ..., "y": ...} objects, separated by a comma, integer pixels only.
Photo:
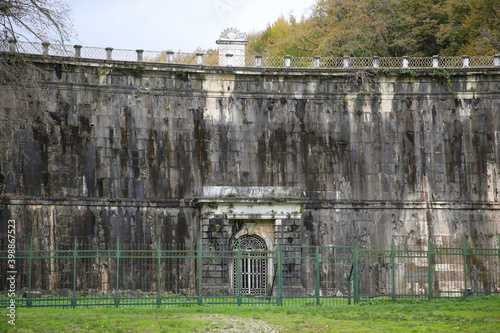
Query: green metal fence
[{"x": 82, "y": 272}]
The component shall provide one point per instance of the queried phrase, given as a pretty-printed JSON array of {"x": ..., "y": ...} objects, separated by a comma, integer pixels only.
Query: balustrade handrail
[{"x": 345, "y": 62}]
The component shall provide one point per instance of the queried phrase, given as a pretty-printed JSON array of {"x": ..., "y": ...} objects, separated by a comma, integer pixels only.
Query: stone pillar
[
  {"x": 231, "y": 41},
  {"x": 376, "y": 62},
  {"x": 496, "y": 60},
  {"x": 346, "y": 61},
  {"x": 13, "y": 44},
  {"x": 199, "y": 58},
  {"x": 406, "y": 62},
  {"x": 109, "y": 51},
  {"x": 170, "y": 57},
  {"x": 45, "y": 46},
  {"x": 288, "y": 60},
  {"x": 316, "y": 61},
  {"x": 435, "y": 61},
  {"x": 229, "y": 59},
  {"x": 258, "y": 60},
  {"x": 78, "y": 51},
  {"x": 139, "y": 54},
  {"x": 465, "y": 61}
]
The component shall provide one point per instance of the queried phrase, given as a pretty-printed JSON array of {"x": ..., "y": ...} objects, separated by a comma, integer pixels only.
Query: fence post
[
  {"x": 158, "y": 253},
  {"x": 280, "y": 276},
  {"x": 288, "y": 60},
  {"x": 139, "y": 54},
  {"x": 317, "y": 276},
  {"x": 200, "y": 270},
  {"x": 435, "y": 61},
  {"x": 239, "y": 273},
  {"x": 199, "y": 58},
  {"x": 75, "y": 254},
  {"x": 13, "y": 45},
  {"x": 170, "y": 57},
  {"x": 117, "y": 296},
  {"x": 258, "y": 60},
  {"x": 376, "y": 62},
  {"x": 316, "y": 62},
  {"x": 465, "y": 61},
  {"x": 355, "y": 273},
  {"x": 45, "y": 46},
  {"x": 109, "y": 51},
  {"x": 429, "y": 270},
  {"x": 406, "y": 62},
  {"x": 496, "y": 60},
  {"x": 464, "y": 253},
  {"x": 78, "y": 51},
  {"x": 346, "y": 61},
  {"x": 30, "y": 263},
  {"x": 393, "y": 263}
]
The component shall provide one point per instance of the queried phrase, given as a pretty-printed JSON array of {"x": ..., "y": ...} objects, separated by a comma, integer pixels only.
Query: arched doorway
[{"x": 252, "y": 265}]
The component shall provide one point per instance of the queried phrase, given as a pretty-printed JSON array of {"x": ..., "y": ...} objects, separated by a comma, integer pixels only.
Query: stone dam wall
[{"x": 99, "y": 149}]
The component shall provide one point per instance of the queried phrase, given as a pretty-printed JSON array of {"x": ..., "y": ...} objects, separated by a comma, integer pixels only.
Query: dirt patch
[{"x": 220, "y": 323}]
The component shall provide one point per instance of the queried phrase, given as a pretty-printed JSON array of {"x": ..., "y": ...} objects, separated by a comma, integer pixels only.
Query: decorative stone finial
[{"x": 232, "y": 34}]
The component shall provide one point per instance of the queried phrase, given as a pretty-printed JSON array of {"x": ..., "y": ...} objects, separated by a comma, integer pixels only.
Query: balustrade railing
[{"x": 204, "y": 59}]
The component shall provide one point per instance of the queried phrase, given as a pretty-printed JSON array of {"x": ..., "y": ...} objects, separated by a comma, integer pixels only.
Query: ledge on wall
[{"x": 253, "y": 202}]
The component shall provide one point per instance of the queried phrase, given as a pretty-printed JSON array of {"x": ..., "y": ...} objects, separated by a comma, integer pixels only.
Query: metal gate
[{"x": 250, "y": 265}]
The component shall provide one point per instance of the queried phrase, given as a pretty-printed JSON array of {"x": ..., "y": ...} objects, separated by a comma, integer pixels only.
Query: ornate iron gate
[{"x": 252, "y": 265}]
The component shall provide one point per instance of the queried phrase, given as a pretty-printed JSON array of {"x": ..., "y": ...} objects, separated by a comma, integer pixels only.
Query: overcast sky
[{"x": 180, "y": 25}]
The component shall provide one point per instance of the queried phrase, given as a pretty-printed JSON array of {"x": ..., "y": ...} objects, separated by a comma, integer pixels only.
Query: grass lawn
[{"x": 481, "y": 314}]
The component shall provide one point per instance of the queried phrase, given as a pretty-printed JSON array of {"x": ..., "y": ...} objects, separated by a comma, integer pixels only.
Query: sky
[{"x": 181, "y": 25}]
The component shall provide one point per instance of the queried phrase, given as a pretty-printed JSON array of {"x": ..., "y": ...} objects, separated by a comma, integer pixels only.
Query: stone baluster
[
  {"x": 45, "y": 46},
  {"x": 496, "y": 60},
  {"x": 258, "y": 60},
  {"x": 316, "y": 62},
  {"x": 465, "y": 61},
  {"x": 435, "y": 61},
  {"x": 109, "y": 53},
  {"x": 288, "y": 61},
  {"x": 406, "y": 62},
  {"x": 78, "y": 51},
  {"x": 199, "y": 58},
  {"x": 13, "y": 45},
  {"x": 139, "y": 54},
  {"x": 170, "y": 57},
  {"x": 346, "y": 61}
]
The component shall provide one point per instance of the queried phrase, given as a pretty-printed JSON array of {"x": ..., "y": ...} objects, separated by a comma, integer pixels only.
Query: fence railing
[
  {"x": 82, "y": 272},
  {"x": 78, "y": 51}
]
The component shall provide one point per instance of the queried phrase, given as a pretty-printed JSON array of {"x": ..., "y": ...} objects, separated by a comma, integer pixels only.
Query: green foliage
[
  {"x": 442, "y": 75},
  {"x": 280, "y": 38},
  {"x": 138, "y": 71},
  {"x": 385, "y": 28},
  {"x": 213, "y": 205},
  {"x": 200, "y": 77},
  {"x": 258, "y": 80},
  {"x": 380, "y": 72},
  {"x": 409, "y": 73},
  {"x": 181, "y": 75}
]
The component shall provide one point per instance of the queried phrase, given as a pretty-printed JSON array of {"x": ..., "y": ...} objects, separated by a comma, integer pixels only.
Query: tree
[
  {"x": 386, "y": 28},
  {"x": 482, "y": 28},
  {"x": 283, "y": 37},
  {"x": 30, "y": 20},
  {"x": 351, "y": 27}
]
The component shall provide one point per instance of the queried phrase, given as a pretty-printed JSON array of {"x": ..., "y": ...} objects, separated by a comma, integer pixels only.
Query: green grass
[{"x": 478, "y": 314}]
